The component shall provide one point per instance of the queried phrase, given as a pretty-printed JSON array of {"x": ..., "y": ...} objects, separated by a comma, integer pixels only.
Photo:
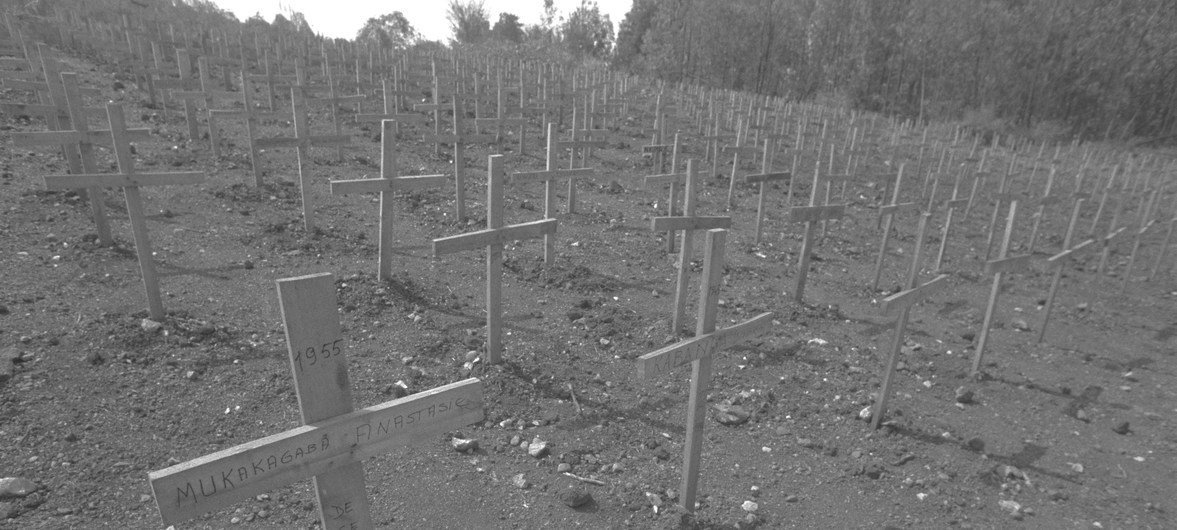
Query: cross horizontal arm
[
  {"x": 893, "y": 304},
  {"x": 768, "y": 177},
  {"x": 329, "y": 140},
  {"x": 665, "y": 179},
  {"x": 402, "y": 118},
  {"x": 892, "y": 209},
  {"x": 663, "y": 360},
  {"x": 1058, "y": 259},
  {"x": 215, "y": 481},
  {"x": 665, "y": 224},
  {"x": 493, "y": 236},
  {"x": 119, "y": 180},
  {"x": 956, "y": 204},
  {"x": 805, "y": 214},
  {"x": 343, "y": 187},
  {"x": 28, "y": 139},
  {"x": 1015, "y": 263},
  {"x": 582, "y": 143},
  {"x": 525, "y": 177}
]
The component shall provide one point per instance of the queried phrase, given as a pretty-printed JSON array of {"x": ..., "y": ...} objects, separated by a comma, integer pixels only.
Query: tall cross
[
  {"x": 763, "y": 178},
  {"x": 899, "y": 305},
  {"x": 997, "y": 268},
  {"x": 700, "y": 351},
  {"x": 492, "y": 239},
  {"x": 334, "y": 439},
  {"x": 811, "y": 215},
  {"x": 388, "y": 183}
]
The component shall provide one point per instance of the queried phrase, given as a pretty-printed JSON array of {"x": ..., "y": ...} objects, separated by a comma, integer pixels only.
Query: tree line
[{"x": 1091, "y": 68}]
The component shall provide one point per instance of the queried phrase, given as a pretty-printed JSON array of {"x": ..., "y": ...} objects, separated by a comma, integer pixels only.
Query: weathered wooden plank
[
  {"x": 389, "y": 184},
  {"x": 665, "y": 359},
  {"x": 30, "y": 139},
  {"x": 121, "y": 180},
  {"x": 807, "y": 214},
  {"x": 768, "y": 177},
  {"x": 897, "y": 302},
  {"x": 493, "y": 236},
  {"x": 1011, "y": 264},
  {"x": 665, "y": 224},
  {"x": 254, "y": 467},
  {"x": 525, "y": 177}
]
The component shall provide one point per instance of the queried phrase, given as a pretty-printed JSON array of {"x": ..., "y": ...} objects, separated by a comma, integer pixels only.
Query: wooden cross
[
  {"x": 1145, "y": 223},
  {"x": 688, "y": 223},
  {"x": 334, "y": 439},
  {"x": 188, "y": 95},
  {"x": 700, "y": 352},
  {"x": 764, "y": 178},
  {"x": 811, "y": 215},
  {"x": 672, "y": 179},
  {"x": 1163, "y": 250},
  {"x": 549, "y": 176},
  {"x": 1003, "y": 194},
  {"x": 251, "y": 116},
  {"x": 887, "y": 214},
  {"x": 388, "y": 183},
  {"x": 998, "y": 267},
  {"x": 390, "y": 110},
  {"x": 951, "y": 206},
  {"x": 899, "y": 305},
  {"x": 1056, "y": 263},
  {"x": 501, "y": 121},
  {"x": 303, "y": 141},
  {"x": 130, "y": 180},
  {"x": 736, "y": 151},
  {"x": 581, "y": 139},
  {"x": 459, "y": 139},
  {"x": 492, "y": 239}
]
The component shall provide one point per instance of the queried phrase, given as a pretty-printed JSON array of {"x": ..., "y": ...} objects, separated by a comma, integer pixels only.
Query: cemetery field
[{"x": 1078, "y": 430}]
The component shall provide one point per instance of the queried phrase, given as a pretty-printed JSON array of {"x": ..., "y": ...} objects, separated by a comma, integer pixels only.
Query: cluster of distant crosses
[{"x": 510, "y": 95}]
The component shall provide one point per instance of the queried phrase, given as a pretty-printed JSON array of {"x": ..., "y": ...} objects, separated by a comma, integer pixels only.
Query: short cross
[{"x": 334, "y": 439}]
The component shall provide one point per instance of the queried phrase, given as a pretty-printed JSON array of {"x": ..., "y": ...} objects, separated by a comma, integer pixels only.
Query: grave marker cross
[
  {"x": 493, "y": 238},
  {"x": 688, "y": 223},
  {"x": 334, "y": 438},
  {"x": 388, "y": 183},
  {"x": 700, "y": 351},
  {"x": 130, "y": 180}
]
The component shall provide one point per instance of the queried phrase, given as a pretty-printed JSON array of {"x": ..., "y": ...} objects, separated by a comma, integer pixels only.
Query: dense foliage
[{"x": 1093, "y": 67}]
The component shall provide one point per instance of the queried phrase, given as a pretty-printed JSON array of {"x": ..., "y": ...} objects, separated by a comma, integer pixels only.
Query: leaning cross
[
  {"x": 998, "y": 267},
  {"x": 83, "y": 138},
  {"x": 388, "y": 183},
  {"x": 130, "y": 180},
  {"x": 887, "y": 213},
  {"x": 700, "y": 351},
  {"x": 493, "y": 238},
  {"x": 303, "y": 141},
  {"x": 688, "y": 223},
  {"x": 810, "y": 215},
  {"x": 334, "y": 438}
]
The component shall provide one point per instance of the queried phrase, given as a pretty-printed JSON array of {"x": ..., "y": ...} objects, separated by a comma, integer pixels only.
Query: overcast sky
[{"x": 343, "y": 18}]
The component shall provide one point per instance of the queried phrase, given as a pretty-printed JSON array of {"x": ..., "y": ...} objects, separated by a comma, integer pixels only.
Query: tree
[
  {"x": 468, "y": 21},
  {"x": 632, "y": 32},
  {"x": 507, "y": 29},
  {"x": 391, "y": 30},
  {"x": 587, "y": 32}
]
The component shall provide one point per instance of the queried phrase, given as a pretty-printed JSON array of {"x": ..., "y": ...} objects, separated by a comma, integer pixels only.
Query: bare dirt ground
[{"x": 97, "y": 401}]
